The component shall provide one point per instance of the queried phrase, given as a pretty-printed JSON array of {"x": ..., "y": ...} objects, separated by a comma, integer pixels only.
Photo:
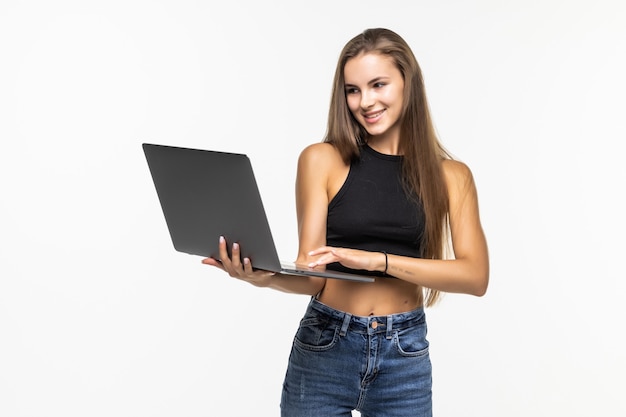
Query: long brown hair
[{"x": 423, "y": 153}]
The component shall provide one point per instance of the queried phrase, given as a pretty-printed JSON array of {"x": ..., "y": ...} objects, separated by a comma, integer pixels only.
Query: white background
[{"x": 99, "y": 316}]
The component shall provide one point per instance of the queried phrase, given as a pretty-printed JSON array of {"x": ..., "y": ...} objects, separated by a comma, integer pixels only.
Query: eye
[
  {"x": 352, "y": 90},
  {"x": 379, "y": 84}
]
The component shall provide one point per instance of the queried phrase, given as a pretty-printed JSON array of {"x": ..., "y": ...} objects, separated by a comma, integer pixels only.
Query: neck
[{"x": 385, "y": 145}]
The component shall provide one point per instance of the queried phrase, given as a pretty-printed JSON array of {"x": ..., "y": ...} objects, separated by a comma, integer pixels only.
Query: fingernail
[
  {"x": 222, "y": 239},
  {"x": 235, "y": 245}
]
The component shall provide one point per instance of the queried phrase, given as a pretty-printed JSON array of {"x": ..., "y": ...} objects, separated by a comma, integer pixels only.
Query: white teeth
[{"x": 373, "y": 116}]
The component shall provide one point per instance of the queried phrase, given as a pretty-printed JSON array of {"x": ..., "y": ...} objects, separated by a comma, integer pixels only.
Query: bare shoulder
[
  {"x": 321, "y": 167},
  {"x": 457, "y": 174},
  {"x": 320, "y": 154},
  {"x": 321, "y": 160}
]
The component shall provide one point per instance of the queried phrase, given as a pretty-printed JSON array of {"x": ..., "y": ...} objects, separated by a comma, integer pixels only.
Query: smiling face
[{"x": 374, "y": 94}]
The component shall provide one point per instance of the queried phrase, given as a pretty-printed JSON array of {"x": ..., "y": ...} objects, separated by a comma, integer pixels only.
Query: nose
[{"x": 367, "y": 100}]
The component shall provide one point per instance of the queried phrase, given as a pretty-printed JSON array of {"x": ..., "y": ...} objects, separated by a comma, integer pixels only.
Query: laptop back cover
[{"x": 206, "y": 194}]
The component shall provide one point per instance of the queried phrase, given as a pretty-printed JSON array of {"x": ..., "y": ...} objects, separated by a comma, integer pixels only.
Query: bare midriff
[{"x": 380, "y": 298}]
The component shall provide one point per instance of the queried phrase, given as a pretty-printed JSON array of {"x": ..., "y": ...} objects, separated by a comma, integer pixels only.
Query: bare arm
[{"x": 467, "y": 273}]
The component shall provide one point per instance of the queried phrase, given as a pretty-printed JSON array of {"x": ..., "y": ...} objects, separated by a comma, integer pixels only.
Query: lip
[{"x": 373, "y": 116}]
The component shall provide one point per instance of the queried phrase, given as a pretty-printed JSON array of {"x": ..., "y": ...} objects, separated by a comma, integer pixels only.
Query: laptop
[{"x": 207, "y": 194}]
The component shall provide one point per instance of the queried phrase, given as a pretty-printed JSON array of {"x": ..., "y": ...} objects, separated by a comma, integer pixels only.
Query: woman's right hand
[{"x": 237, "y": 267}]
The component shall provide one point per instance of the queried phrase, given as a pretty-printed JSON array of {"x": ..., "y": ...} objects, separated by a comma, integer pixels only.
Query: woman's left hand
[{"x": 350, "y": 258}]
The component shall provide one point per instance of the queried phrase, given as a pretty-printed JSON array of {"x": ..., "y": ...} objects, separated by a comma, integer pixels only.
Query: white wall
[{"x": 99, "y": 316}]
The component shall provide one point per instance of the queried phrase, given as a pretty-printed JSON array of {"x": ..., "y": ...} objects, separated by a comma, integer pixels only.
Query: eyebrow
[{"x": 372, "y": 81}]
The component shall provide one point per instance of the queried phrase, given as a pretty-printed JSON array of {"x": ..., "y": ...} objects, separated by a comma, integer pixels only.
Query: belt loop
[
  {"x": 345, "y": 324},
  {"x": 389, "y": 326}
]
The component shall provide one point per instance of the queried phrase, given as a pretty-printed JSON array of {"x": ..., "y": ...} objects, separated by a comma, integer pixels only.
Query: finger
[
  {"x": 247, "y": 266},
  {"x": 236, "y": 256},
  {"x": 327, "y": 258},
  {"x": 213, "y": 262},
  {"x": 224, "y": 253},
  {"x": 321, "y": 250}
]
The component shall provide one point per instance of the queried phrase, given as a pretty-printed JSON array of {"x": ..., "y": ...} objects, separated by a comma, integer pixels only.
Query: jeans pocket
[
  {"x": 316, "y": 335},
  {"x": 412, "y": 341}
]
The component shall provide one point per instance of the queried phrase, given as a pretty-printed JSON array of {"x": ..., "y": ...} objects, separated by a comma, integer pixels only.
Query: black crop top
[{"x": 372, "y": 211}]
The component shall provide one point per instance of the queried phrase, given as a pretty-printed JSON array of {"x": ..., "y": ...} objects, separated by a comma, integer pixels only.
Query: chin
[{"x": 376, "y": 132}]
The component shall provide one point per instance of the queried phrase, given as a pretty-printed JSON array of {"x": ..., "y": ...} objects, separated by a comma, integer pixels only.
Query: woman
[{"x": 380, "y": 195}]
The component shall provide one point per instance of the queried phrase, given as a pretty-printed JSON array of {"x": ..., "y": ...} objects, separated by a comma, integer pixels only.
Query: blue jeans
[{"x": 378, "y": 365}]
